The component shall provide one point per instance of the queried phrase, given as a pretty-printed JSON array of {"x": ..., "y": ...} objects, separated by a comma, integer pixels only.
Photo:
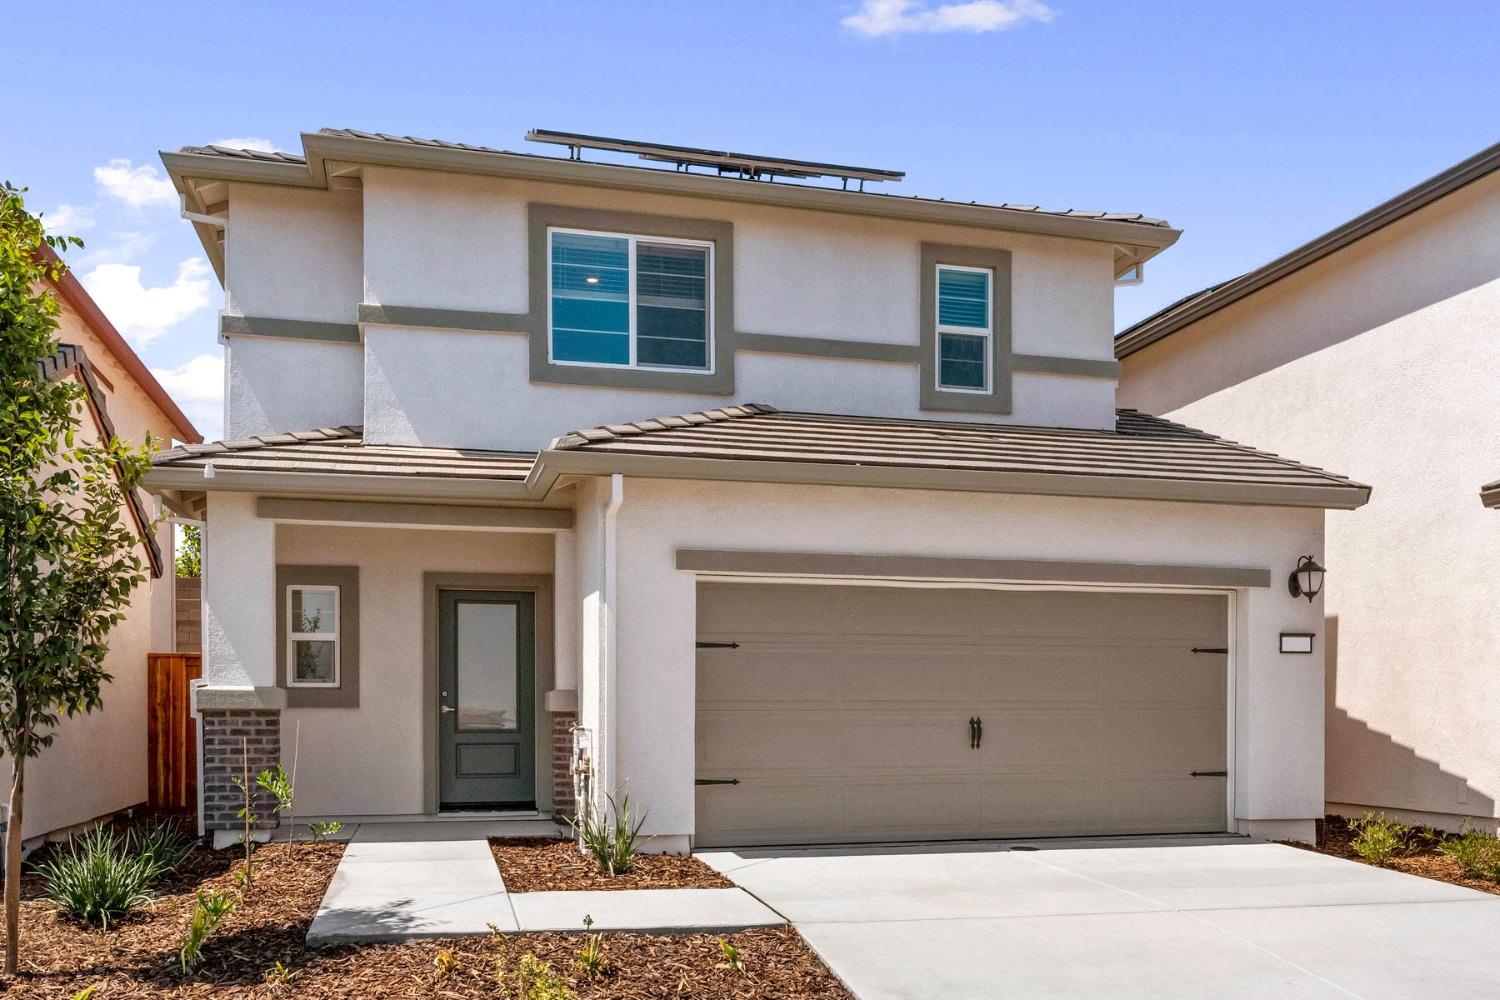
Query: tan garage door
[{"x": 845, "y": 713}]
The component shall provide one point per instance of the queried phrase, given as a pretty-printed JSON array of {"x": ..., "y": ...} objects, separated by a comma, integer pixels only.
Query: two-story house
[{"x": 796, "y": 512}]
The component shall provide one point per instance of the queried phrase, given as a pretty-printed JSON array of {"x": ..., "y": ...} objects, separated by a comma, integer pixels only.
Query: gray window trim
[
  {"x": 543, "y": 217},
  {"x": 346, "y": 578},
  {"x": 998, "y": 399}
]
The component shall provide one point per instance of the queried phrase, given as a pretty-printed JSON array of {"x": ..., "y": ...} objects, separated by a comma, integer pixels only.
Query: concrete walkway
[
  {"x": 1189, "y": 918},
  {"x": 402, "y": 881}
]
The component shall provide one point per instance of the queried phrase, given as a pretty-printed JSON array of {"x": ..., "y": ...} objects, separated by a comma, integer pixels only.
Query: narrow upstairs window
[{"x": 964, "y": 331}]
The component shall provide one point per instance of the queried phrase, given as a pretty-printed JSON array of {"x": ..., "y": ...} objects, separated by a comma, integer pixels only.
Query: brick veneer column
[
  {"x": 562, "y": 764},
  {"x": 228, "y": 734}
]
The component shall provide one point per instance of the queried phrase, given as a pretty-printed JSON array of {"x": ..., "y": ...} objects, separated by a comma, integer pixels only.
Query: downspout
[{"x": 605, "y": 753}]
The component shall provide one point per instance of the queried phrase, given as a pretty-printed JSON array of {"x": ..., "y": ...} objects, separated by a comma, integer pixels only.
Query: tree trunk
[{"x": 13, "y": 865}]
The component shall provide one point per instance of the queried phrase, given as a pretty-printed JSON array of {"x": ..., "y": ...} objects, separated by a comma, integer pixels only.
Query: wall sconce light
[{"x": 1307, "y": 579}]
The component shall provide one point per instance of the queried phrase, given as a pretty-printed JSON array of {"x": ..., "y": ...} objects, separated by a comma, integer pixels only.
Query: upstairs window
[
  {"x": 629, "y": 302},
  {"x": 964, "y": 334}
]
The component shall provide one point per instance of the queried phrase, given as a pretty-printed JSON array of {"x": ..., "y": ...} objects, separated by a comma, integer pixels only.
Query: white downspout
[{"x": 605, "y": 751}]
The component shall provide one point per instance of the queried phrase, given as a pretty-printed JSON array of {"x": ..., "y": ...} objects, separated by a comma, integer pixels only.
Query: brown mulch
[
  {"x": 544, "y": 864},
  {"x": 137, "y": 956},
  {"x": 1420, "y": 857}
]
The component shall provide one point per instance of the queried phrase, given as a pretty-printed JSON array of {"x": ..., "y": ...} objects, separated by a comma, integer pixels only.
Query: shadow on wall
[{"x": 1368, "y": 768}]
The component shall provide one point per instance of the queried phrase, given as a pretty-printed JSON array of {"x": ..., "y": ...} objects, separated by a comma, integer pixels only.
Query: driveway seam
[{"x": 1280, "y": 958}]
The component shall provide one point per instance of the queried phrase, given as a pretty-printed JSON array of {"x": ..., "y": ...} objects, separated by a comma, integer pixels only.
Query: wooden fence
[{"x": 171, "y": 734}]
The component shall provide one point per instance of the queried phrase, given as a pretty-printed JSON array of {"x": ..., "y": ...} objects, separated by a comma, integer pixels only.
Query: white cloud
[
  {"x": 136, "y": 186},
  {"x": 123, "y": 245},
  {"x": 248, "y": 142},
  {"x": 69, "y": 220},
  {"x": 198, "y": 387},
  {"x": 143, "y": 314},
  {"x": 899, "y": 17}
]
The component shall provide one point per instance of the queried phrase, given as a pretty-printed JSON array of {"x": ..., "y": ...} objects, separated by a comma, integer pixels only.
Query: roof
[
  {"x": 70, "y": 359},
  {"x": 1489, "y": 494},
  {"x": 329, "y": 151},
  {"x": 73, "y": 293},
  {"x": 1142, "y": 457},
  {"x": 1191, "y": 308}
]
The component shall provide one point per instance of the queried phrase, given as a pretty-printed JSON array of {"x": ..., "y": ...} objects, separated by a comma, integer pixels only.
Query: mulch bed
[
  {"x": 1421, "y": 856},
  {"x": 544, "y": 864},
  {"x": 137, "y": 957}
]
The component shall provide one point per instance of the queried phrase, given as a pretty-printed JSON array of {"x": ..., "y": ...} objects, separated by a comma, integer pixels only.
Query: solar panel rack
[{"x": 747, "y": 166}]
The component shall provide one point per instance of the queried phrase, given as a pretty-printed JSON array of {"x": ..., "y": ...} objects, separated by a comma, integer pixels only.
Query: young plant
[
  {"x": 1377, "y": 839},
  {"x": 87, "y": 992},
  {"x": 1476, "y": 852},
  {"x": 207, "y": 914},
  {"x": 161, "y": 844},
  {"x": 247, "y": 812},
  {"x": 325, "y": 828},
  {"x": 95, "y": 879},
  {"x": 278, "y": 977},
  {"x": 275, "y": 783},
  {"x": 445, "y": 962},
  {"x": 591, "y": 956},
  {"x": 732, "y": 959},
  {"x": 609, "y": 838},
  {"x": 536, "y": 980}
]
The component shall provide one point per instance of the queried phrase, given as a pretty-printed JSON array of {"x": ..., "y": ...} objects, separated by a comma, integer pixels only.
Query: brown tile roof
[
  {"x": 1489, "y": 494},
  {"x": 342, "y": 451}
]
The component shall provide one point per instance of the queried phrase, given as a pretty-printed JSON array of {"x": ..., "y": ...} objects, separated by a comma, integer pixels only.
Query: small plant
[
  {"x": 275, "y": 783},
  {"x": 1377, "y": 839},
  {"x": 325, "y": 828},
  {"x": 161, "y": 843},
  {"x": 1476, "y": 852},
  {"x": 246, "y": 814},
  {"x": 591, "y": 956},
  {"x": 732, "y": 959},
  {"x": 445, "y": 962},
  {"x": 87, "y": 992},
  {"x": 278, "y": 977},
  {"x": 207, "y": 913},
  {"x": 609, "y": 839},
  {"x": 536, "y": 980},
  {"x": 96, "y": 879}
]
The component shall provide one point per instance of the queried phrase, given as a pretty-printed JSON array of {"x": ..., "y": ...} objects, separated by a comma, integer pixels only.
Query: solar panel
[{"x": 747, "y": 165}]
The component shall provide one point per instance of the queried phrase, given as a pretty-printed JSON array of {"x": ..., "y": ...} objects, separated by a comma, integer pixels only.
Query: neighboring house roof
[
  {"x": 1192, "y": 308},
  {"x": 1489, "y": 494},
  {"x": 328, "y": 150},
  {"x": 72, "y": 292},
  {"x": 70, "y": 360},
  {"x": 1140, "y": 458}
]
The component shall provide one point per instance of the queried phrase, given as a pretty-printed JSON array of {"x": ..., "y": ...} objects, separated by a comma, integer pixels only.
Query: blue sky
[{"x": 1251, "y": 126}]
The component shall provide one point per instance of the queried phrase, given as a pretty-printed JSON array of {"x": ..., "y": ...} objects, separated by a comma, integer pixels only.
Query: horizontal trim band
[
  {"x": 414, "y": 515},
  {"x": 828, "y": 347},
  {"x": 1065, "y": 366},
  {"x": 957, "y": 568},
  {"x": 445, "y": 319},
  {"x": 288, "y": 329}
]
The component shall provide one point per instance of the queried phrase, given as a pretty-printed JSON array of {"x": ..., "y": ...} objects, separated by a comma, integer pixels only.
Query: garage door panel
[
  {"x": 740, "y": 813},
  {"x": 1040, "y": 741},
  {"x": 1171, "y": 675},
  {"x": 783, "y": 672},
  {"x": 876, "y": 744},
  {"x": 756, "y": 742},
  {"x": 905, "y": 673},
  {"x": 1138, "y": 741},
  {"x": 1011, "y": 674},
  {"x": 1062, "y": 806},
  {"x": 1162, "y": 618},
  {"x": 1195, "y": 805}
]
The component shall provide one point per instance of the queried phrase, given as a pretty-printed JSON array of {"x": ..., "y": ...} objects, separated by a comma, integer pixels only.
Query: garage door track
[{"x": 1157, "y": 919}]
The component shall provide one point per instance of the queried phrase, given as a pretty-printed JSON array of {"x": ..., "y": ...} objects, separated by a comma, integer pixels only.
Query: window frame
[
  {"x": 293, "y": 637},
  {"x": 633, "y": 240},
  {"x": 987, "y": 332}
]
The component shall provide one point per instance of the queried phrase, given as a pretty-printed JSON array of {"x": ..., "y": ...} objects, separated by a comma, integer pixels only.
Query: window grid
[
  {"x": 633, "y": 301},
  {"x": 958, "y": 331},
  {"x": 295, "y": 636}
]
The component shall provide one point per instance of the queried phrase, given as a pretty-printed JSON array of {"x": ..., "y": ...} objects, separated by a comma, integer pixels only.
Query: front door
[{"x": 486, "y": 692}]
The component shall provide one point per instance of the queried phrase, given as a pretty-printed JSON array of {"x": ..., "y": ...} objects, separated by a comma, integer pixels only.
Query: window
[
  {"x": 313, "y": 636},
  {"x": 964, "y": 331},
  {"x": 629, "y": 302}
]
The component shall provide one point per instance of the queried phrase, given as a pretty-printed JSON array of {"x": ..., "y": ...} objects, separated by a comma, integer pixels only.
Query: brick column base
[
  {"x": 232, "y": 739},
  {"x": 562, "y": 765}
]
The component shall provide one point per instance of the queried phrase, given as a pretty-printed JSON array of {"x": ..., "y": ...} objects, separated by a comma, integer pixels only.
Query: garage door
[{"x": 840, "y": 714}]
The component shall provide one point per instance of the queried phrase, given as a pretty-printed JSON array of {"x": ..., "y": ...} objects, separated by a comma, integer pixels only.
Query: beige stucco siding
[{"x": 1381, "y": 361}]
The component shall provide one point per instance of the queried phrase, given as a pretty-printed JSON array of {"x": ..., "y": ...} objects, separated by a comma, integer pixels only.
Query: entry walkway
[
  {"x": 1149, "y": 919},
  {"x": 401, "y": 881}
]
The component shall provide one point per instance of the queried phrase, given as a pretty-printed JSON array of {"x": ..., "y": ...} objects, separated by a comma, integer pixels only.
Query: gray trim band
[
  {"x": 444, "y": 319},
  {"x": 287, "y": 329},
  {"x": 1065, "y": 366},
  {"x": 945, "y": 568},
  {"x": 829, "y": 347},
  {"x": 346, "y": 578},
  {"x": 998, "y": 399},
  {"x": 414, "y": 515}
]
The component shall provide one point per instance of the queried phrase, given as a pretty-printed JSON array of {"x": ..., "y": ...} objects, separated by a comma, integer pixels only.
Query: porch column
[
  {"x": 562, "y": 700},
  {"x": 240, "y": 704}
]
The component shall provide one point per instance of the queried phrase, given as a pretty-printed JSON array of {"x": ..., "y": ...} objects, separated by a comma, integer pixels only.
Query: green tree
[
  {"x": 68, "y": 560},
  {"x": 190, "y": 551}
]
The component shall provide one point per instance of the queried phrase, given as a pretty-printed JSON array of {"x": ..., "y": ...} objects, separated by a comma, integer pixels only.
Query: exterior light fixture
[{"x": 1307, "y": 579}]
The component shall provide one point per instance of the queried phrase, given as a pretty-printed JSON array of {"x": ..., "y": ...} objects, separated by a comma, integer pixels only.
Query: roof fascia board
[
  {"x": 414, "y": 515},
  {"x": 332, "y": 484},
  {"x": 1434, "y": 188}
]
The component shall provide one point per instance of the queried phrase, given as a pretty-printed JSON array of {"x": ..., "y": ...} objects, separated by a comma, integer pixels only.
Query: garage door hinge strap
[
  {"x": 716, "y": 781},
  {"x": 1209, "y": 649},
  {"x": 1209, "y": 774},
  {"x": 718, "y": 645}
]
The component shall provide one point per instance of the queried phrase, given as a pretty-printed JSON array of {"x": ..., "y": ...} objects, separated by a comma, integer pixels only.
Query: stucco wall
[
  {"x": 1278, "y": 699},
  {"x": 369, "y": 761},
  {"x": 293, "y": 254},
  {"x": 1381, "y": 362},
  {"x": 275, "y": 386}
]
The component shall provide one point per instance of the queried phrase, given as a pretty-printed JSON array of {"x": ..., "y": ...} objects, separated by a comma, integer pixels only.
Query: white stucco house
[
  {"x": 797, "y": 512},
  {"x": 1373, "y": 347}
]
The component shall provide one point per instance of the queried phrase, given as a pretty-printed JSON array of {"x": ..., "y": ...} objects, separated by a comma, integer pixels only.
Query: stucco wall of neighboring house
[
  {"x": 1381, "y": 362},
  {"x": 1278, "y": 701},
  {"x": 370, "y": 760}
]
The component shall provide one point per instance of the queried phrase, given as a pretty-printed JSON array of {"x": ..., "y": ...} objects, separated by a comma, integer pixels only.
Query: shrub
[
  {"x": 160, "y": 843},
  {"x": 96, "y": 879},
  {"x": 536, "y": 980},
  {"x": 609, "y": 839},
  {"x": 207, "y": 913},
  {"x": 1477, "y": 853},
  {"x": 1377, "y": 839},
  {"x": 325, "y": 828}
]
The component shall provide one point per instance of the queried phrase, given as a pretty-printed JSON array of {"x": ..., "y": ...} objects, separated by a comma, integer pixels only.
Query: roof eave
[
  {"x": 1489, "y": 495},
  {"x": 163, "y": 478}
]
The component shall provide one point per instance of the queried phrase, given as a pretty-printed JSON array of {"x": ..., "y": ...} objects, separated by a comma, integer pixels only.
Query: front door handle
[{"x": 446, "y": 708}]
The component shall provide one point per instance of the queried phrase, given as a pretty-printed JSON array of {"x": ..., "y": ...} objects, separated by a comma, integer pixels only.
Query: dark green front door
[{"x": 486, "y": 692}]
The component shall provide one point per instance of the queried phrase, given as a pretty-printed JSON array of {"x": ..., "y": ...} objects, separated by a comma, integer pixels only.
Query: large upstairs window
[{"x": 625, "y": 301}]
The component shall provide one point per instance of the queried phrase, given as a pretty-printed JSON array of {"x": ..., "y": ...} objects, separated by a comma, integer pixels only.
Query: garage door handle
[{"x": 1209, "y": 774}]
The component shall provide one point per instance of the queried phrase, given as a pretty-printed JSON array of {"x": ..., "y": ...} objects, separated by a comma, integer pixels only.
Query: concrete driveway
[{"x": 1157, "y": 919}]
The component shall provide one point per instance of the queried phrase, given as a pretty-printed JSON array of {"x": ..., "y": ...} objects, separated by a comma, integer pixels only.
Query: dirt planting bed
[
  {"x": 545, "y": 864},
  {"x": 1419, "y": 855}
]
